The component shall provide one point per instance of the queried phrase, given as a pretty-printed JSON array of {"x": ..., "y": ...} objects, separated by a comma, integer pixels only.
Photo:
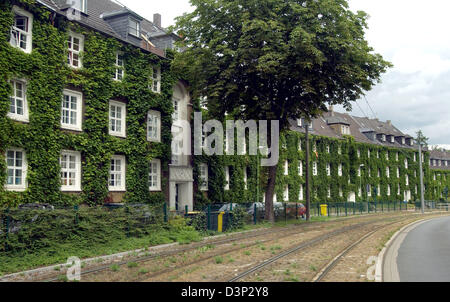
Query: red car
[{"x": 290, "y": 209}]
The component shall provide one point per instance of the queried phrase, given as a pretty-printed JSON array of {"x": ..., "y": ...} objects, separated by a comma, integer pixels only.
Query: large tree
[{"x": 276, "y": 59}]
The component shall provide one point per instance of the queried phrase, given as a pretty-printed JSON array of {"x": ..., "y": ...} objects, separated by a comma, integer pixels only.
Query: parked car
[
  {"x": 36, "y": 206},
  {"x": 301, "y": 209}
]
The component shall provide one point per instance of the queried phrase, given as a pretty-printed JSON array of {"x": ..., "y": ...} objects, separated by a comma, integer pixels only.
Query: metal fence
[{"x": 34, "y": 226}]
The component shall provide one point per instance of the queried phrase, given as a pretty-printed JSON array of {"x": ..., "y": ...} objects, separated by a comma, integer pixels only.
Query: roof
[
  {"x": 97, "y": 9},
  {"x": 361, "y": 129}
]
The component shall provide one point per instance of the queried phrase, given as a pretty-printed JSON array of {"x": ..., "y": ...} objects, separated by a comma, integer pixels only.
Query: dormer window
[
  {"x": 134, "y": 28},
  {"x": 21, "y": 31},
  {"x": 403, "y": 140},
  {"x": 383, "y": 137},
  {"x": 345, "y": 130},
  {"x": 80, "y": 5}
]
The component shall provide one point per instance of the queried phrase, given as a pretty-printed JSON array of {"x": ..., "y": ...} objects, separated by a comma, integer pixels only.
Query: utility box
[{"x": 324, "y": 210}]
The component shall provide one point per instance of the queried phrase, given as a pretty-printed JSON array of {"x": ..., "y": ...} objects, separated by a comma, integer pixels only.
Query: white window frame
[
  {"x": 388, "y": 193},
  {"x": 286, "y": 167},
  {"x": 300, "y": 195},
  {"x": 77, "y": 170},
  {"x": 79, "y": 110},
  {"x": 20, "y": 33},
  {"x": 123, "y": 120},
  {"x": 176, "y": 109},
  {"x": 71, "y": 51},
  {"x": 154, "y": 165},
  {"x": 388, "y": 173},
  {"x": 328, "y": 148},
  {"x": 24, "y": 168},
  {"x": 203, "y": 177},
  {"x": 245, "y": 179},
  {"x": 300, "y": 168},
  {"x": 156, "y": 71},
  {"x": 358, "y": 152},
  {"x": 328, "y": 168},
  {"x": 340, "y": 170},
  {"x": 119, "y": 73},
  {"x": 132, "y": 30},
  {"x": 156, "y": 118},
  {"x": 14, "y": 116},
  {"x": 299, "y": 145},
  {"x": 314, "y": 168},
  {"x": 286, "y": 193},
  {"x": 83, "y": 5},
  {"x": 227, "y": 178},
  {"x": 122, "y": 173}
]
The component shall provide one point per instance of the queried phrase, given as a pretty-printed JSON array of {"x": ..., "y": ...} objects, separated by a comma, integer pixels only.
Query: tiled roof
[
  {"x": 95, "y": 9},
  {"x": 358, "y": 126}
]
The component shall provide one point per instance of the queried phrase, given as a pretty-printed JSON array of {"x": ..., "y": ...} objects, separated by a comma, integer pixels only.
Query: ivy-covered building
[
  {"x": 87, "y": 103},
  {"x": 352, "y": 159}
]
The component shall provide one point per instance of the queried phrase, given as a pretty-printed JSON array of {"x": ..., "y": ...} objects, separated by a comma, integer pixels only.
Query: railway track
[
  {"x": 313, "y": 242},
  {"x": 281, "y": 233},
  {"x": 289, "y": 231}
]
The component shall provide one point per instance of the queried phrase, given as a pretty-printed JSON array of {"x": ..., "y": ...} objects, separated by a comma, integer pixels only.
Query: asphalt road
[{"x": 424, "y": 255}]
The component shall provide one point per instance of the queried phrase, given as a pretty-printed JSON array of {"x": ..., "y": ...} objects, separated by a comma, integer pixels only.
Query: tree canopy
[{"x": 276, "y": 59}]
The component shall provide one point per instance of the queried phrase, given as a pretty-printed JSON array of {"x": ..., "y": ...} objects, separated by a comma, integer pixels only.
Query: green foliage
[{"x": 42, "y": 138}]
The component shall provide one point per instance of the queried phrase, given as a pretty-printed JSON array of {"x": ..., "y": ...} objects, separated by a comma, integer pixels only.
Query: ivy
[{"x": 42, "y": 138}]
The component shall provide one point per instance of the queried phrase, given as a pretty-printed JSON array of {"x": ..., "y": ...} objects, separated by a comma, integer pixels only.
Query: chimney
[
  {"x": 389, "y": 123},
  {"x": 331, "y": 110},
  {"x": 157, "y": 20}
]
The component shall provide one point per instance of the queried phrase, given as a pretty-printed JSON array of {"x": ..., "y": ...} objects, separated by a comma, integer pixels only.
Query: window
[
  {"x": 358, "y": 152},
  {"x": 387, "y": 155},
  {"x": 70, "y": 163},
  {"x": 406, "y": 163},
  {"x": 117, "y": 119},
  {"x": 396, "y": 156},
  {"x": 286, "y": 193},
  {"x": 387, "y": 172},
  {"x": 328, "y": 148},
  {"x": 16, "y": 167},
  {"x": 329, "y": 192},
  {"x": 341, "y": 193},
  {"x": 245, "y": 179},
  {"x": 345, "y": 130},
  {"x": 378, "y": 154},
  {"x": 75, "y": 46},
  {"x": 156, "y": 79},
  {"x": 117, "y": 173},
  {"x": 135, "y": 28},
  {"x": 175, "y": 114},
  {"x": 392, "y": 139},
  {"x": 286, "y": 168},
  {"x": 389, "y": 190},
  {"x": 71, "y": 110},
  {"x": 21, "y": 31},
  {"x": 369, "y": 190},
  {"x": 314, "y": 147},
  {"x": 415, "y": 157},
  {"x": 300, "y": 195},
  {"x": 120, "y": 67},
  {"x": 383, "y": 137},
  {"x": 300, "y": 168},
  {"x": 359, "y": 172},
  {"x": 340, "y": 170},
  {"x": 328, "y": 168},
  {"x": 80, "y": 5},
  {"x": 379, "y": 173},
  {"x": 154, "y": 176},
  {"x": 314, "y": 168},
  {"x": 18, "y": 108},
  {"x": 368, "y": 153},
  {"x": 339, "y": 150},
  {"x": 299, "y": 145},
  {"x": 398, "y": 172},
  {"x": 227, "y": 178},
  {"x": 299, "y": 122},
  {"x": 203, "y": 177},
  {"x": 407, "y": 180},
  {"x": 154, "y": 126}
]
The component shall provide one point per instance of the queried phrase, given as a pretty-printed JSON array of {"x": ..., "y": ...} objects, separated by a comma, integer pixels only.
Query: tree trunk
[{"x": 269, "y": 215}]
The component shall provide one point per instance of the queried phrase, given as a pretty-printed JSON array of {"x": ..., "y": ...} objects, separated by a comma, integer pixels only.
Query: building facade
[{"x": 90, "y": 112}]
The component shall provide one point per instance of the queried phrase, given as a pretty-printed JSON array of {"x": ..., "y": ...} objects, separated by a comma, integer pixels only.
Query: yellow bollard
[{"x": 220, "y": 222}]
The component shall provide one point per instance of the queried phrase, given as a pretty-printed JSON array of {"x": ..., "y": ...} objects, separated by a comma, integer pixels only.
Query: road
[{"x": 424, "y": 253}]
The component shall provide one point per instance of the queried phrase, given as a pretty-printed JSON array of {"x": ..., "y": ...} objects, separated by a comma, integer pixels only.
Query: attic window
[
  {"x": 134, "y": 28},
  {"x": 80, "y": 5}
]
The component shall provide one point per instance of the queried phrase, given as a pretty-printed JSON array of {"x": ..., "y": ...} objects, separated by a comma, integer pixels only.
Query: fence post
[
  {"x": 346, "y": 213},
  {"x": 230, "y": 215},
  {"x": 76, "y": 214},
  {"x": 254, "y": 213},
  {"x": 165, "y": 213},
  {"x": 382, "y": 206},
  {"x": 208, "y": 218},
  {"x": 8, "y": 218},
  {"x": 296, "y": 211},
  {"x": 285, "y": 213},
  {"x": 186, "y": 210},
  {"x": 328, "y": 209}
]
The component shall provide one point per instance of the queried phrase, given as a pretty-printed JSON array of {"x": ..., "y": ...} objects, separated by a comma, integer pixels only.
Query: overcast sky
[{"x": 413, "y": 35}]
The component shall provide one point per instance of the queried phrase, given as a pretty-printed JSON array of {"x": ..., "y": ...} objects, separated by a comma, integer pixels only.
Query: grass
[
  {"x": 143, "y": 271},
  {"x": 132, "y": 264},
  {"x": 115, "y": 267},
  {"x": 247, "y": 253},
  {"x": 218, "y": 260},
  {"x": 60, "y": 252},
  {"x": 313, "y": 268}
]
